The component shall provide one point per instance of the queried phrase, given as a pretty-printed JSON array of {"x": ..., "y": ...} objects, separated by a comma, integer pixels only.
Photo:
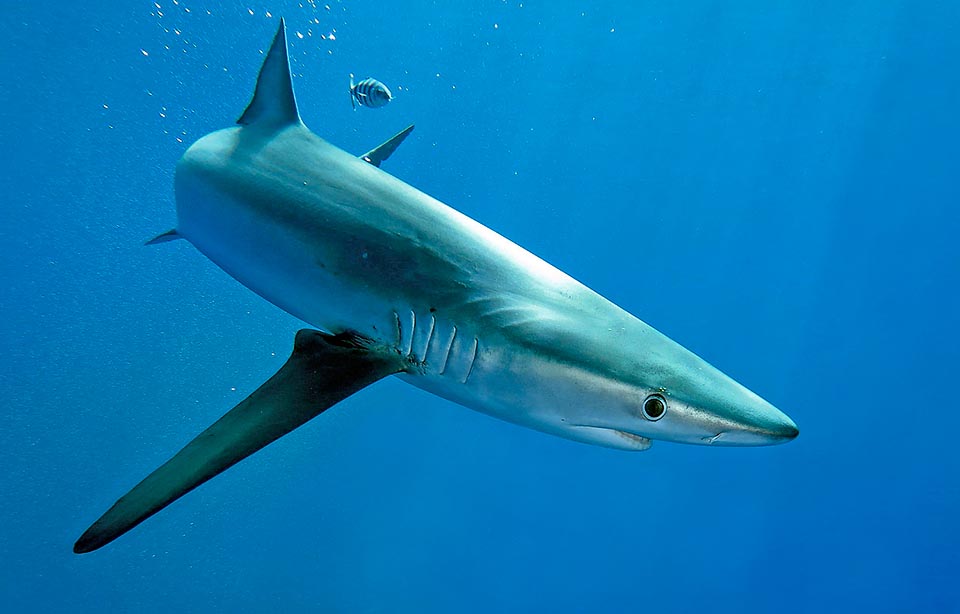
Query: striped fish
[{"x": 369, "y": 93}]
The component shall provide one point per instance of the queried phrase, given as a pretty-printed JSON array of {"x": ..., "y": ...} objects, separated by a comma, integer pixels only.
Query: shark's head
[
  {"x": 703, "y": 407},
  {"x": 626, "y": 388},
  {"x": 700, "y": 405},
  {"x": 677, "y": 396}
]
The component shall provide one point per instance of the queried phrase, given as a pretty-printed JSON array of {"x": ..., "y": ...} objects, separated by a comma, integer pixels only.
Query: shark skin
[
  {"x": 401, "y": 284},
  {"x": 345, "y": 246}
]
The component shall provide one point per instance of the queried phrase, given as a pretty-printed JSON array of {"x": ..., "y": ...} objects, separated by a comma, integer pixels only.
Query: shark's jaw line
[
  {"x": 401, "y": 284},
  {"x": 613, "y": 438}
]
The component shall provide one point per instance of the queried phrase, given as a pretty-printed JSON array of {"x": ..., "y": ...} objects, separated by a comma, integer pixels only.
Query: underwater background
[{"x": 773, "y": 185}]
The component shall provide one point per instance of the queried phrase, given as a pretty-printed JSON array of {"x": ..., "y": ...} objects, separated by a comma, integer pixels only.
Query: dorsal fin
[
  {"x": 381, "y": 152},
  {"x": 273, "y": 104}
]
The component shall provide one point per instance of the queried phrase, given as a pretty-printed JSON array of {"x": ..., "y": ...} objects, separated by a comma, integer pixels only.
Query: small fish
[{"x": 369, "y": 93}]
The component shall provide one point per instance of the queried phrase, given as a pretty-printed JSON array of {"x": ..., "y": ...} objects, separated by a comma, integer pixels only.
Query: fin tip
[
  {"x": 86, "y": 544},
  {"x": 163, "y": 237}
]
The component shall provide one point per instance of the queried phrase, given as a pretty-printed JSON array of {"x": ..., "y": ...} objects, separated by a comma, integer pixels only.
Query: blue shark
[{"x": 396, "y": 283}]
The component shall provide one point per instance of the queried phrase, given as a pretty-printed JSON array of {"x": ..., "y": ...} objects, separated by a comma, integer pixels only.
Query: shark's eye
[{"x": 654, "y": 406}]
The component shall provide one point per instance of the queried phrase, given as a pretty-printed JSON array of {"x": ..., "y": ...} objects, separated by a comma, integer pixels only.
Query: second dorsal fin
[
  {"x": 381, "y": 152},
  {"x": 273, "y": 104}
]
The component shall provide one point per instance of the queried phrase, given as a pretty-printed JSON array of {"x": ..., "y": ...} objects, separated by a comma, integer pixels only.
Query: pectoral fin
[{"x": 322, "y": 370}]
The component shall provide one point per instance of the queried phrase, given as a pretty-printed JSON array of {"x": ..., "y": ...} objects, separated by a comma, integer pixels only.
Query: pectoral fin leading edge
[{"x": 322, "y": 370}]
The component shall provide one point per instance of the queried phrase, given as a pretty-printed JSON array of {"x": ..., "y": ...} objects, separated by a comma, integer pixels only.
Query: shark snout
[
  {"x": 784, "y": 429},
  {"x": 764, "y": 425}
]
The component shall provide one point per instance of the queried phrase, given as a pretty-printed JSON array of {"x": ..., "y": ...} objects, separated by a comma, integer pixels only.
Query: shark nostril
[{"x": 714, "y": 438}]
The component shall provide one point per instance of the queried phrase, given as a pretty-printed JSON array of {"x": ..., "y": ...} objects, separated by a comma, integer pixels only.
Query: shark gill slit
[
  {"x": 413, "y": 330},
  {"x": 426, "y": 346},
  {"x": 446, "y": 354},
  {"x": 396, "y": 317},
  {"x": 473, "y": 360}
]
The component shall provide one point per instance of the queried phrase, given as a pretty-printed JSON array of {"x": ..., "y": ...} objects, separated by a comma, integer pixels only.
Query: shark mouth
[
  {"x": 636, "y": 439},
  {"x": 613, "y": 438}
]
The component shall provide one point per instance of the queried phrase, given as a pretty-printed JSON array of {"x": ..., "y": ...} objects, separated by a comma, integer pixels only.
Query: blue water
[{"x": 775, "y": 187}]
